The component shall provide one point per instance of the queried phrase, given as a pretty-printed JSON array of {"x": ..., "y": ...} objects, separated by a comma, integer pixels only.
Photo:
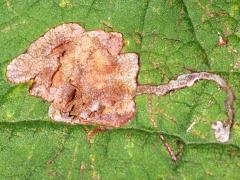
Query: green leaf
[{"x": 170, "y": 36}]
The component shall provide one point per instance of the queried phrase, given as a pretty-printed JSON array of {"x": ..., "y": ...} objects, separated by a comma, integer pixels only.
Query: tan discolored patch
[
  {"x": 83, "y": 75},
  {"x": 88, "y": 81}
]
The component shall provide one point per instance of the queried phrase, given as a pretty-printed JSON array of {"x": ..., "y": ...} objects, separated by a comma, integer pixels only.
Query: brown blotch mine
[
  {"x": 83, "y": 75},
  {"x": 88, "y": 81}
]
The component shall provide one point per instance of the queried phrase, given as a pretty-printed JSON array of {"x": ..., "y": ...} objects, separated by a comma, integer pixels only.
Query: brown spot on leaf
[
  {"x": 83, "y": 75},
  {"x": 222, "y": 41},
  {"x": 88, "y": 81}
]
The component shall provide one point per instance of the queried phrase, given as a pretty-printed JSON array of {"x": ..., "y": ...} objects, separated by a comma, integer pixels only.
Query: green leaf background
[{"x": 169, "y": 36}]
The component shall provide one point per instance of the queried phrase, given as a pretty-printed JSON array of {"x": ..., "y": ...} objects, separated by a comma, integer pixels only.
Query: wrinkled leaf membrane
[{"x": 170, "y": 36}]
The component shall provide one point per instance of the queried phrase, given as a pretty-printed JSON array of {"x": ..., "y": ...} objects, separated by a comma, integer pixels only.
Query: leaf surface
[{"x": 170, "y": 37}]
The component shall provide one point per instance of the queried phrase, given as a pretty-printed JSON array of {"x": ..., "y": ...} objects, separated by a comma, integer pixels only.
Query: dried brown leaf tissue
[{"x": 89, "y": 81}]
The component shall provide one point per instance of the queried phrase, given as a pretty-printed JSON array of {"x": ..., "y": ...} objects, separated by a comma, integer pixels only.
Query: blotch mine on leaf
[
  {"x": 83, "y": 75},
  {"x": 89, "y": 81}
]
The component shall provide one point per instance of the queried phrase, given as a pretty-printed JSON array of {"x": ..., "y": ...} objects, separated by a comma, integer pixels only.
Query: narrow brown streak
[
  {"x": 187, "y": 80},
  {"x": 168, "y": 148}
]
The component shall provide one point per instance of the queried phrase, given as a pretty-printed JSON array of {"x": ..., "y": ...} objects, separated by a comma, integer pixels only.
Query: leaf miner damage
[
  {"x": 89, "y": 81},
  {"x": 83, "y": 75}
]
